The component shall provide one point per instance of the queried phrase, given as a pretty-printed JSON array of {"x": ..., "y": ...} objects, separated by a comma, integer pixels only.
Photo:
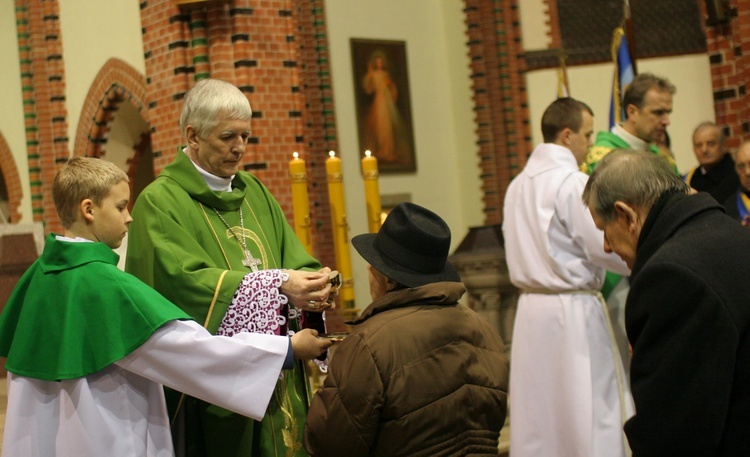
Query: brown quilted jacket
[{"x": 420, "y": 375}]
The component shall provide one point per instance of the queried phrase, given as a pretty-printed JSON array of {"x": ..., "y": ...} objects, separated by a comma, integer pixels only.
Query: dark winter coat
[
  {"x": 720, "y": 182},
  {"x": 688, "y": 321}
]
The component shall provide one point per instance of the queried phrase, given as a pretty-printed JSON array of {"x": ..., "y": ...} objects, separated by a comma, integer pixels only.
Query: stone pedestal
[{"x": 480, "y": 260}]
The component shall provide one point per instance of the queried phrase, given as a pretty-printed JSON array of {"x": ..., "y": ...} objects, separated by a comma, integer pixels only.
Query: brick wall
[
  {"x": 12, "y": 181},
  {"x": 729, "y": 54},
  {"x": 276, "y": 53},
  {"x": 43, "y": 86},
  {"x": 500, "y": 101}
]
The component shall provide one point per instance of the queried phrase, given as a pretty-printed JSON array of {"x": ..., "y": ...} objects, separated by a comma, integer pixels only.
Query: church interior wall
[
  {"x": 93, "y": 32},
  {"x": 446, "y": 179}
]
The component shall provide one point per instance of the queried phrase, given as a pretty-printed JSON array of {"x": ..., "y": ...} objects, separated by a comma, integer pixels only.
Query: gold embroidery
[
  {"x": 252, "y": 236},
  {"x": 205, "y": 325},
  {"x": 276, "y": 264},
  {"x": 249, "y": 234},
  {"x": 290, "y": 432},
  {"x": 596, "y": 153}
]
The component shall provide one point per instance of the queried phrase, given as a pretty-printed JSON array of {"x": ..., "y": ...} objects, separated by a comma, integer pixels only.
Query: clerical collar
[
  {"x": 215, "y": 183},
  {"x": 632, "y": 140},
  {"x": 77, "y": 239}
]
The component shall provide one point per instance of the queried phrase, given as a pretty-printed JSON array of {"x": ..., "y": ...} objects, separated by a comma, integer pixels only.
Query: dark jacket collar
[
  {"x": 436, "y": 293},
  {"x": 669, "y": 213},
  {"x": 721, "y": 169}
]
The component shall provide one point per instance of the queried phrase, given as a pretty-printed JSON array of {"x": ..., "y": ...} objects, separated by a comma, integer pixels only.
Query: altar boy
[{"x": 90, "y": 346}]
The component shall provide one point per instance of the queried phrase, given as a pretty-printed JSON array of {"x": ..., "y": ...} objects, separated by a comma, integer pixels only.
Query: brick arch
[
  {"x": 116, "y": 82},
  {"x": 12, "y": 180}
]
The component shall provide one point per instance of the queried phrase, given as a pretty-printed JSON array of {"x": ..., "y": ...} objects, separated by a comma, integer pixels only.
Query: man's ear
[
  {"x": 630, "y": 111},
  {"x": 87, "y": 210},
  {"x": 564, "y": 137},
  {"x": 629, "y": 214},
  {"x": 192, "y": 136},
  {"x": 390, "y": 284}
]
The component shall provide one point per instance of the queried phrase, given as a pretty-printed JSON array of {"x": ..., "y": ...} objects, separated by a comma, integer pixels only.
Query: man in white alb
[{"x": 568, "y": 393}]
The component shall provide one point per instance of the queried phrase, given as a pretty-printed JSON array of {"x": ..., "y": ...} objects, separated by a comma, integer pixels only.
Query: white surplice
[
  {"x": 120, "y": 411},
  {"x": 568, "y": 393}
]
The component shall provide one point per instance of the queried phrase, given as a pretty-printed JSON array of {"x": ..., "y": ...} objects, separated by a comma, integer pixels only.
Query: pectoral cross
[{"x": 251, "y": 262}]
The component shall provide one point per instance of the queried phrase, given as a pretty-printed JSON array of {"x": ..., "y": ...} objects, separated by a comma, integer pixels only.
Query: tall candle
[
  {"x": 372, "y": 191},
  {"x": 300, "y": 201},
  {"x": 340, "y": 228}
]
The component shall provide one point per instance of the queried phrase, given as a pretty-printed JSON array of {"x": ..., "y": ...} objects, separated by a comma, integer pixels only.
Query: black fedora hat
[{"x": 410, "y": 248}]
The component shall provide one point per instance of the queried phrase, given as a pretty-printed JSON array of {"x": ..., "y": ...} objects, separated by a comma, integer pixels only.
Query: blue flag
[{"x": 624, "y": 74}]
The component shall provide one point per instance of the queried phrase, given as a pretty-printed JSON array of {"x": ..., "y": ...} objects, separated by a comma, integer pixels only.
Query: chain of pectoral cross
[{"x": 239, "y": 234}]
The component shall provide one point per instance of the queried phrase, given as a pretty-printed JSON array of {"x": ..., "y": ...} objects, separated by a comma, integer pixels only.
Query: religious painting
[{"x": 381, "y": 88}]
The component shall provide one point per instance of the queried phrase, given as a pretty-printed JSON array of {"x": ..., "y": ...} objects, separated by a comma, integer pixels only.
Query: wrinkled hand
[
  {"x": 306, "y": 344},
  {"x": 309, "y": 291}
]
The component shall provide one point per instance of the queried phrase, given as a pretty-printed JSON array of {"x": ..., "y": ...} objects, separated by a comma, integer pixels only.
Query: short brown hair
[
  {"x": 563, "y": 113},
  {"x": 81, "y": 178},
  {"x": 635, "y": 94}
]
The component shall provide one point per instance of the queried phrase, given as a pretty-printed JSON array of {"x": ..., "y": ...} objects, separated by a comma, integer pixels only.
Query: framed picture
[{"x": 381, "y": 92}]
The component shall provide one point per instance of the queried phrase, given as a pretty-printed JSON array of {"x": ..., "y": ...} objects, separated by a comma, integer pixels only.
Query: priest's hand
[
  {"x": 308, "y": 290},
  {"x": 306, "y": 344}
]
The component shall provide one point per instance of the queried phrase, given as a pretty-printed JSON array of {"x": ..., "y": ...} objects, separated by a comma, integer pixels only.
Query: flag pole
[
  {"x": 563, "y": 86},
  {"x": 629, "y": 33}
]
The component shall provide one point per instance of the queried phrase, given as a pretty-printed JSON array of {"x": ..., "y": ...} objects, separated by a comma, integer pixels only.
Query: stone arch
[
  {"x": 115, "y": 83},
  {"x": 12, "y": 181}
]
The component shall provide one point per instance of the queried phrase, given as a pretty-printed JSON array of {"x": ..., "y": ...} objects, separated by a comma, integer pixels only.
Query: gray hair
[
  {"x": 636, "y": 178},
  {"x": 210, "y": 100},
  {"x": 81, "y": 178},
  {"x": 709, "y": 124}
]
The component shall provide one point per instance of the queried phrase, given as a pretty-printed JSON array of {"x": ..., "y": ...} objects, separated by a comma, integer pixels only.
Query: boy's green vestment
[{"x": 73, "y": 313}]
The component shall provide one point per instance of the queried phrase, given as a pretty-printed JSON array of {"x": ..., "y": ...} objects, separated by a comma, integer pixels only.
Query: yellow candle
[
  {"x": 340, "y": 228},
  {"x": 372, "y": 191},
  {"x": 300, "y": 201}
]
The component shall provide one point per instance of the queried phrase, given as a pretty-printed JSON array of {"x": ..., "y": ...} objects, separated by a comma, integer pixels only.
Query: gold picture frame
[{"x": 383, "y": 103}]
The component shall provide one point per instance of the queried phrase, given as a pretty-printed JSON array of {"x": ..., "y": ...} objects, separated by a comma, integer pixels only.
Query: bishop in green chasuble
[{"x": 189, "y": 243}]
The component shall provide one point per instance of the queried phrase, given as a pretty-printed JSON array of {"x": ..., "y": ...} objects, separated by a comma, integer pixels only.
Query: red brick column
[
  {"x": 319, "y": 118},
  {"x": 169, "y": 72},
  {"x": 500, "y": 102},
  {"x": 12, "y": 181},
  {"x": 43, "y": 86},
  {"x": 729, "y": 53}
]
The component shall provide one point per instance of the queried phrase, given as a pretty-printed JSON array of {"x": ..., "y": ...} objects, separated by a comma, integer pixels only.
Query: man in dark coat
[
  {"x": 688, "y": 312},
  {"x": 420, "y": 374},
  {"x": 738, "y": 204},
  {"x": 715, "y": 172}
]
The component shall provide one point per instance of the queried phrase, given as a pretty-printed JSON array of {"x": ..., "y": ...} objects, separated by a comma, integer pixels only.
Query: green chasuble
[
  {"x": 180, "y": 246},
  {"x": 606, "y": 142},
  {"x": 73, "y": 313}
]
